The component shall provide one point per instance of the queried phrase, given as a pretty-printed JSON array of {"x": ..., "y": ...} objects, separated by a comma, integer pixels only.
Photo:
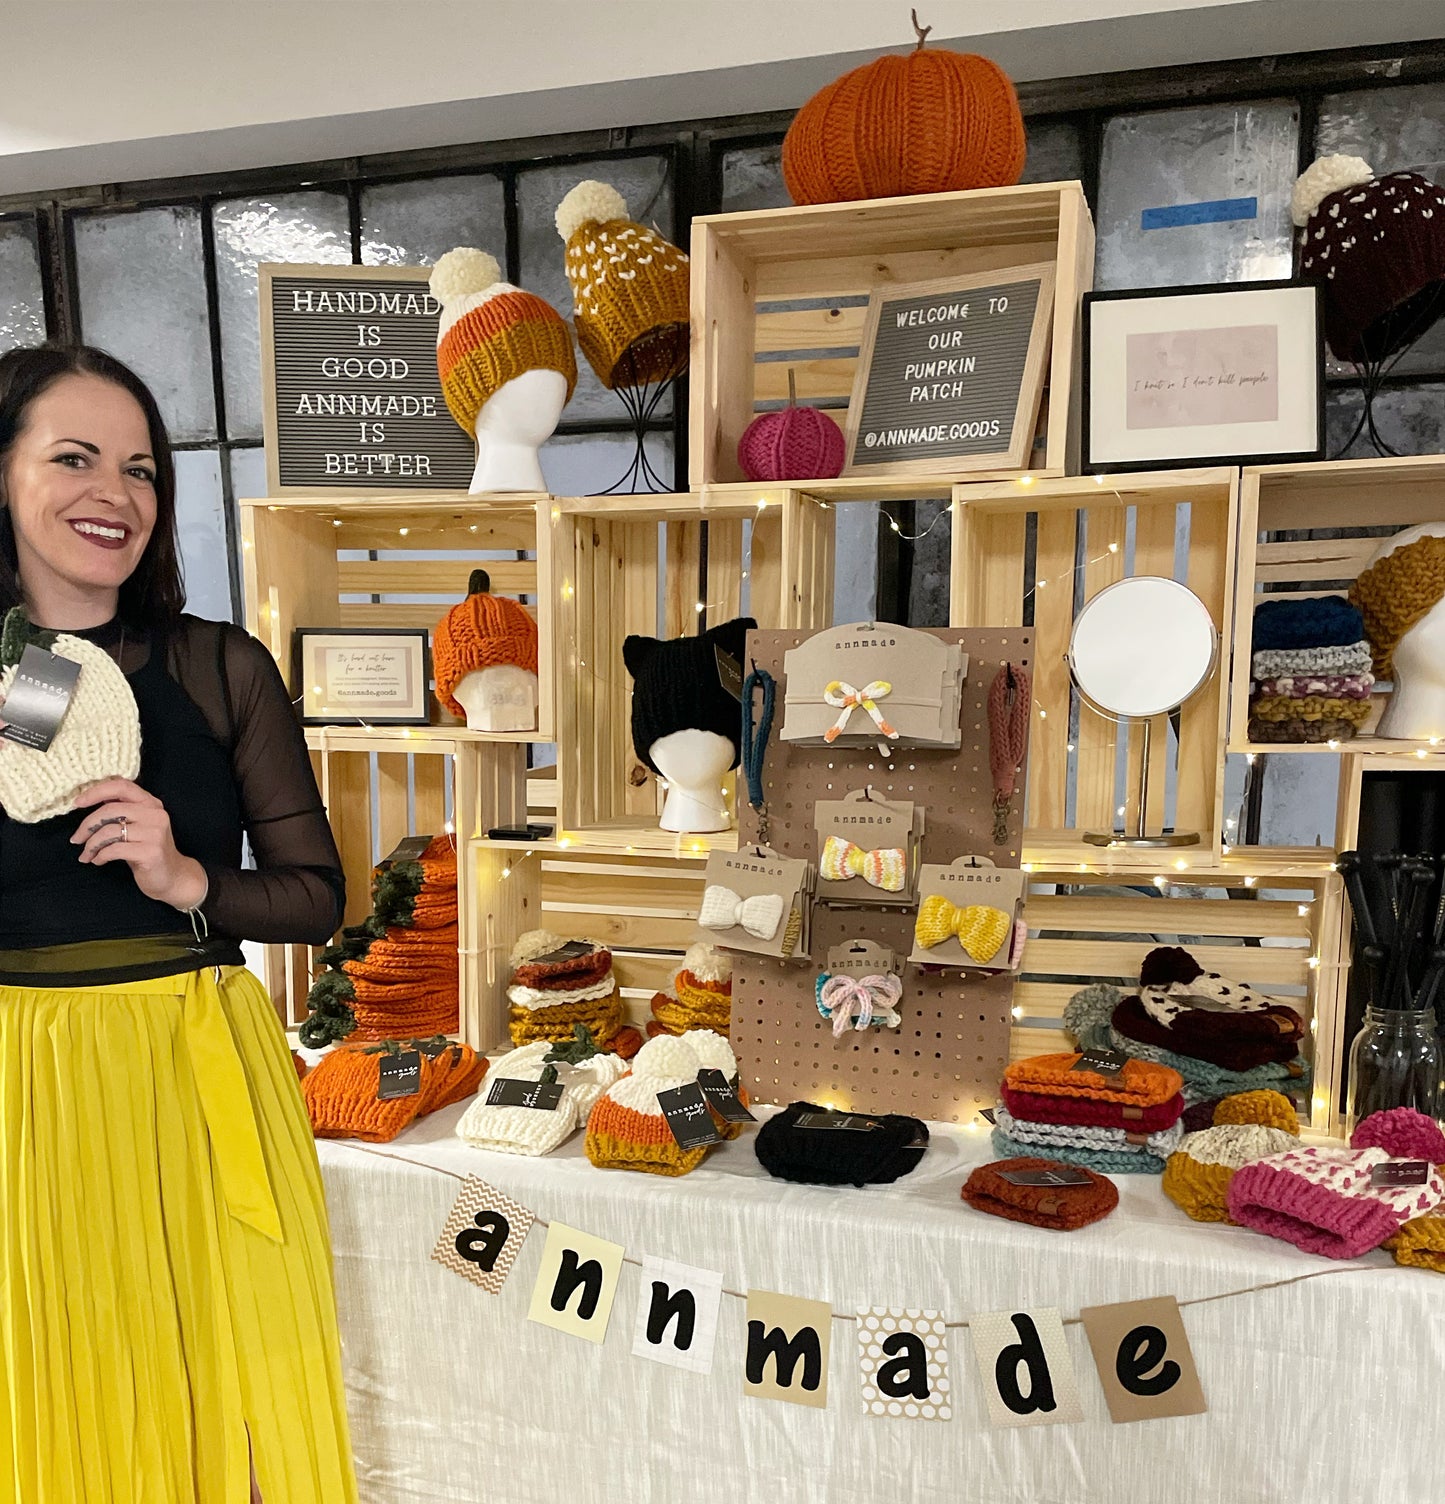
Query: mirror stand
[{"x": 1140, "y": 836}]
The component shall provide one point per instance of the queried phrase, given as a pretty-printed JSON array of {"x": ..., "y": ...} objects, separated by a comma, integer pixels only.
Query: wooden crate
[
  {"x": 788, "y": 288},
  {"x": 1356, "y": 502},
  {"x": 295, "y": 575},
  {"x": 1275, "y": 924},
  {"x": 636, "y": 565},
  {"x": 1087, "y": 533}
]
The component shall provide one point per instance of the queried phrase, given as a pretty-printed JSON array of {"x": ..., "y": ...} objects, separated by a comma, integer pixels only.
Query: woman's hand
[{"x": 126, "y": 824}]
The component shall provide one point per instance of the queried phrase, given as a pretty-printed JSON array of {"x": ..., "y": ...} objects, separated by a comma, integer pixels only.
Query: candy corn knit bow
[
  {"x": 860, "y": 1001},
  {"x": 885, "y": 868},
  {"x": 759, "y": 915},
  {"x": 847, "y": 699},
  {"x": 981, "y": 929}
]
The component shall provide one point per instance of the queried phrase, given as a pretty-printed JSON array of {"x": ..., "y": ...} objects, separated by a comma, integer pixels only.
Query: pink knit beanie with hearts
[
  {"x": 1321, "y": 1200},
  {"x": 1403, "y": 1133}
]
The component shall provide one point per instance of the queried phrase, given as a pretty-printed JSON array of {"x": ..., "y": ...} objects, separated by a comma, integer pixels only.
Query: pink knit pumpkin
[{"x": 797, "y": 443}]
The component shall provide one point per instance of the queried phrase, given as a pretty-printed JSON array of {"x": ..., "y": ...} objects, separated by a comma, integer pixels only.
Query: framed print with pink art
[{"x": 1226, "y": 374}]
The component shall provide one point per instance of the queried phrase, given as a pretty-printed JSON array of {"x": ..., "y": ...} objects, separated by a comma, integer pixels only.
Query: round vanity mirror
[{"x": 1141, "y": 648}]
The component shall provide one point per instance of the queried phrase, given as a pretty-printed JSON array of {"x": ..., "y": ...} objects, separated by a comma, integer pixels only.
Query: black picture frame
[
  {"x": 359, "y": 637},
  {"x": 1314, "y": 367}
]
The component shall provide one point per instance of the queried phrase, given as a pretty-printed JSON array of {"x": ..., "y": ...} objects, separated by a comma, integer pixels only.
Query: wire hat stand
[
  {"x": 646, "y": 372},
  {"x": 1385, "y": 343}
]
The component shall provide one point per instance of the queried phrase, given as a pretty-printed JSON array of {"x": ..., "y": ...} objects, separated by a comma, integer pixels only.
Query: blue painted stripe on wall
[{"x": 1212, "y": 212}]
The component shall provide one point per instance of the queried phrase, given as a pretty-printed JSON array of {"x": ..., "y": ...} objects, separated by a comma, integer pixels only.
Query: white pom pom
[
  {"x": 588, "y": 203},
  {"x": 532, "y": 944},
  {"x": 1322, "y": 178},
  {"x": 715, "y": 1053},
  {"x": 707, "y": 963},
  {"x": 463, "y": 272},
  {"x": 666, "y": 1056}
]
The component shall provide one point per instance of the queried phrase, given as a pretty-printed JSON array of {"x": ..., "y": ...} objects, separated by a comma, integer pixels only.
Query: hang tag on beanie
[
  {"x": 39, "y": 696},
  {"x": 729, "y": 672},
  {"x": 848, "y": 1122},
  {"x": 686, "y": 1111},
  {"x": 544, "y": 1096},
  {"x": 1063, "y": 1175},
  {"x": 1101, "y": 1062},
  {"x": 1398, "y": 1172},
  {"x": 400, "y": 1076},
  {"x": 408, "y": 849},
  {"x": 723, "y": 1097}
]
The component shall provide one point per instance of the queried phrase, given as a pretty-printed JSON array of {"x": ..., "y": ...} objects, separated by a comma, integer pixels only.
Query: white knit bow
[
  {"x": 846, "y": 699},
  {"x": 722, "y": 909}
]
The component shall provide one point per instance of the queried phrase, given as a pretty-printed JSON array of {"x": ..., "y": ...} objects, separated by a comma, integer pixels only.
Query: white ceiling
[{"x": 100, "y": 92}]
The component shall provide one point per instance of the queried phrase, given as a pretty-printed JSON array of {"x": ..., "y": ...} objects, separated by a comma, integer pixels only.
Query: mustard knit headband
[{"x": 1396, "y": 592}]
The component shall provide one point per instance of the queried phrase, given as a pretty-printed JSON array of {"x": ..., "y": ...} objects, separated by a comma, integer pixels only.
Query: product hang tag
[
  {"x": 723, "y": 1097},
  {"x": 686, "y": 1111},
  {"x": 408, "y": 849},
  {"x": 508, "y": 1092},
  {"x": 838, "y": 1122},
  {"x": 1101, "y": 1062},
  {"x": 400, "y": 1076},
  {"x": 1063, "y": 1175},
  {"x": 729, "y": 672},
  {"x": 39, "y": 696},
  {"x": 989, "y": 1116},
  {"x": 1400, "y": 1172},
  {"x": 568, "y": 952}
]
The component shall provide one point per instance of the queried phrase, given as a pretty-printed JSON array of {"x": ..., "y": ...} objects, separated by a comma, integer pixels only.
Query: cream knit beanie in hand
[{"x": 99, "y": 737}]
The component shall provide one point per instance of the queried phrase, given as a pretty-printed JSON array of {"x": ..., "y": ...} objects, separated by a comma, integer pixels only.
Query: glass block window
[
  {"x": 413, "y": 224},
  {"x": 645, "y": 183},
  {"x": 1056, "y": 151},
  {"x": 22, "y": 296},
  {"x": 583, "y": 464},
  {"x": 142, "y": 288},
  {"x": 1410, "y": 419},
  {"x": 752, "y": 178},
  {"x": 281, "y": 227},
  {"x": 201, "y": 530},
  {"x": 1199, "y": 194}
]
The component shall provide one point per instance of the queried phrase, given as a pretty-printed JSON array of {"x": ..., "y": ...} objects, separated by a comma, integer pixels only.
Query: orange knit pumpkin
[{"x": 935, "y": 121}]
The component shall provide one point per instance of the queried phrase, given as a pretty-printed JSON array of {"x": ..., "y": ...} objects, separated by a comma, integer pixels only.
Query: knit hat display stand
[
  {"x": 642, "y": 397},
  {"x": 1408, "y": 325}
]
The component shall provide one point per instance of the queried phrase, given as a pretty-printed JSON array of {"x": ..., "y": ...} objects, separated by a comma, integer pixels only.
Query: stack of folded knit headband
[
  {"x": 551, "y": 994},
  {"x": 879, "y": 1155},
  {"x": 1311, "y": 670},
  {"x": 701, "y": 995},
  {"x": 1061, "y": 1207},
  {"x": 1247, "y": 1127}
]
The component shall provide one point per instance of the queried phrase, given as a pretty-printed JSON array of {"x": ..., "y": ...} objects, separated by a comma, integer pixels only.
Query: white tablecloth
[{"x": 1323, "y": 1392}]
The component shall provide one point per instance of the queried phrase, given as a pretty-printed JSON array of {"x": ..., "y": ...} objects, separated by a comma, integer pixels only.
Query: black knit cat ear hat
[{"x": 677, "y": 688}]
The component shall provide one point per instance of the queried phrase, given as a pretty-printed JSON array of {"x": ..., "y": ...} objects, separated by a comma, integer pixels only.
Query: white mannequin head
[
  {"x": 1416, "y": 710},
  {"x": 500, "y": 698},
  {"x": 693, "y": 764},
  {"x": 511, "y": 426}
]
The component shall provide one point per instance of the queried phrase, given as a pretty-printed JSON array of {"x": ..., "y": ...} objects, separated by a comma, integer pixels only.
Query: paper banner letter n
[
  {"x": 576, "y": 1283},
  {"x": 483, "y": 1234},
  {"x": 677, "y": 1315}
]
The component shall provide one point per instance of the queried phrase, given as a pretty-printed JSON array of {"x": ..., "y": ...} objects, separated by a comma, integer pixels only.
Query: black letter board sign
[
  {"x": 349, "y": 375},
  {"x": 951, "y": 373}
]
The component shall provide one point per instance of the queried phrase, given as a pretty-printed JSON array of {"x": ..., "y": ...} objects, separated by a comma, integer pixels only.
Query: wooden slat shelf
[{"x": 405, "y": 738}]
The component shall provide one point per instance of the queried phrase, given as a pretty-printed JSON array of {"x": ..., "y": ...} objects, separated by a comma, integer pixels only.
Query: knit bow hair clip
[
  {"x": 981, "y": 928},
  {"x": 859, "y": 1001},
  {"x": 845, "y": 699},
  {"x": 885, "y": 868},
  {"x": 722, "y": 909}
]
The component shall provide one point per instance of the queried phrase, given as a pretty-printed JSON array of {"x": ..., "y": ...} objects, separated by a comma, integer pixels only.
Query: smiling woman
[{"x": 159, "y": 1168}]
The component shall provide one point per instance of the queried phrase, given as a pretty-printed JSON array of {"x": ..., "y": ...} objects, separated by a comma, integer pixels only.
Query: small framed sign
[
  {"x": 1216, "y": 375},
  {"x": 378, "y": 676},
  {"x": 951, "y": 373}
]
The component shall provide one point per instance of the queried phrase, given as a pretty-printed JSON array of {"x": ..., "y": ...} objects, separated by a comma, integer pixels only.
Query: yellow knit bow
[
  {"x": 885, "y": 868},
  {"x": 981, "y": 929}
]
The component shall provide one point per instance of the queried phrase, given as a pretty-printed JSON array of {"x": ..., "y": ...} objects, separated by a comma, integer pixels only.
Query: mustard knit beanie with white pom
[
  {"x": 99, "y": 737},
  {"x": 627, "y": 1129},
  {"x": 629, "y": 289},
  {"x": 491, "y": 332}
]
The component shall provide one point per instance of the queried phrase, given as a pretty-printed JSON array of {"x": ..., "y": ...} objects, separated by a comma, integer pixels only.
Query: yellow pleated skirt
[{"x": 166, "y": 1297}]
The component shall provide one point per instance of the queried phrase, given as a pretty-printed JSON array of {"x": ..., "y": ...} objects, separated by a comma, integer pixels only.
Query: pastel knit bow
[
  {"x": 859, "y": 1001},
  {"x": 722, "y": 909},
  {"x": 885, "y": 868},
  {"x": 847, "y": 700},
  {"x": 981, "y": 929}
]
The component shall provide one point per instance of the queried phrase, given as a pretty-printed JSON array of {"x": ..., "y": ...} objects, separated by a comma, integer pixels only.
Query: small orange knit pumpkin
[{"x": 935, "y": 121}]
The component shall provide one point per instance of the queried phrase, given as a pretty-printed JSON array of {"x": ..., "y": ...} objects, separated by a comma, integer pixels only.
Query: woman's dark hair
[{"x": 153, "y": 596}]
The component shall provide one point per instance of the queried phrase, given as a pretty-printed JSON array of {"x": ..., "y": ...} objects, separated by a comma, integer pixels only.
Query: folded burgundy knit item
[
  {"x": 1233, "y": 1041},
  {"x": 1325, "y": 1201},
  {"x": 1033, "y": 1107}
]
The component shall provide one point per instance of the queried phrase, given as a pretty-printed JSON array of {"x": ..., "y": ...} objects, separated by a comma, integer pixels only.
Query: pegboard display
[{"x": 945, "y": 1060}]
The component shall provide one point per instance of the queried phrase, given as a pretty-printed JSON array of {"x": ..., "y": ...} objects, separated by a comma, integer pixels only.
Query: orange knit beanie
[
  {"x": 481, "y": 632},
  {"x": 935, "y": 121},
  {"x": 491, "y": 332}
]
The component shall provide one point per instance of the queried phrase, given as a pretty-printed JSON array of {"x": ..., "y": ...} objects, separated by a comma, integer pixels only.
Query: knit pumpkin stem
[
  {"x": 792, "y": 388},
  {"x": 921, "y": 30},
  {"x": 480, "y": 582}
]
